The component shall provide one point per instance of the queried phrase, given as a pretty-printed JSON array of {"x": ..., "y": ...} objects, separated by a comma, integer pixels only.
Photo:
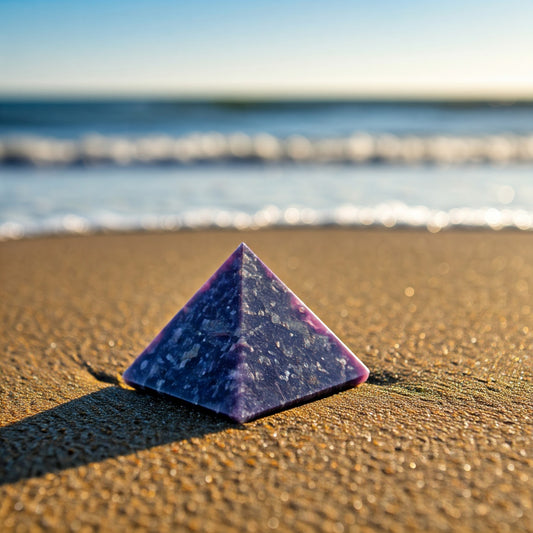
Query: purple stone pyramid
[{"x": 244, "y": 346}]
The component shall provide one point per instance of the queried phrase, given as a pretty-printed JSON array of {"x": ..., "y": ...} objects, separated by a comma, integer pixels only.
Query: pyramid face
[{"x": 244, "y": 346}]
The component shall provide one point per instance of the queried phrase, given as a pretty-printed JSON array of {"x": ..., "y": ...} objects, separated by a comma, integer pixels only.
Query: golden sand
[{"x": 439, "y": 438}]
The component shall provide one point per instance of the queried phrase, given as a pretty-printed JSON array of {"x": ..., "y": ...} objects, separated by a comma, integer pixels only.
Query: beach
[{"x": 439, "y": 438}]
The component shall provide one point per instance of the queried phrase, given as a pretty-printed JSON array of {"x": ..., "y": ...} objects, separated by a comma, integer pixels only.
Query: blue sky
[{"x": 266, "y": 47}]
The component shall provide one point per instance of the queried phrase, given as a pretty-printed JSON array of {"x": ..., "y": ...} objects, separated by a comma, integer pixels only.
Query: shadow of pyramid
[{"x": 104, "y": 424}]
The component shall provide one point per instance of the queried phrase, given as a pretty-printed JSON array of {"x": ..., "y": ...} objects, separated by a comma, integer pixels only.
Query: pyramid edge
[
  {"x": 174, "y": 397},
  {"x": 341, "y": 387}
]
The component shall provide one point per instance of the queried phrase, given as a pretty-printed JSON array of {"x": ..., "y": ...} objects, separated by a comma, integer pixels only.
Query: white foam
[
  {"x": 386, "y": 215},
  {"x": 359, "y": 148}
]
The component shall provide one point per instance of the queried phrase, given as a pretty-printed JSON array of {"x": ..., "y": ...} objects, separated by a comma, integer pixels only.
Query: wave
[
  {"x": 386, "y": 215},
  {"x": 359, "y": 148}
]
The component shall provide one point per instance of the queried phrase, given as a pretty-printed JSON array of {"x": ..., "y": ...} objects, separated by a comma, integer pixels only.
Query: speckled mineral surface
[{"x": 244, "y": 346}]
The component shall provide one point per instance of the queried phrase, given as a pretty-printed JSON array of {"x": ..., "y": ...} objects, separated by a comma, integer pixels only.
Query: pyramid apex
[{"x": 242, "y": 251}]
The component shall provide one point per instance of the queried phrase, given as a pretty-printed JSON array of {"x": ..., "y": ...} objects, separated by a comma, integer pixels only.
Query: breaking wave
[
  {"x": 386, "y": 215},
  {"x": 360, "y": 148}
]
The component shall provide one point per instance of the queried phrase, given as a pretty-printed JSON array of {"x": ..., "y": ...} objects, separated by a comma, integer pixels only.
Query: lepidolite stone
[{"x": 244, "y": 346}]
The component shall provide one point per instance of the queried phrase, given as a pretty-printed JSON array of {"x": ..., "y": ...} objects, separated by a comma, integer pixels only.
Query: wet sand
[{"x": 439, "y": 439}]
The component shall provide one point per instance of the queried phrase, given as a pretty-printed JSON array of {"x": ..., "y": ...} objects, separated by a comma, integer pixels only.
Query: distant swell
[
  {"x": 360, "y": 148},
  {"x": 386, "y": 215}
]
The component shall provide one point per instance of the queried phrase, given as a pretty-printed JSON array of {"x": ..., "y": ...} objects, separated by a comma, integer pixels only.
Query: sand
[{"x": 439, "y": 439}]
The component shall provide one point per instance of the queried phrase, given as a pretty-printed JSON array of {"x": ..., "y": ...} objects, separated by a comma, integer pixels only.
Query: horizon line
[{"x": 270, "y": 97}]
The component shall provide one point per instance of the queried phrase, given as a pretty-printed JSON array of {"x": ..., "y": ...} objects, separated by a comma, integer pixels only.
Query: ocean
[{"x": 89, "y": 166}]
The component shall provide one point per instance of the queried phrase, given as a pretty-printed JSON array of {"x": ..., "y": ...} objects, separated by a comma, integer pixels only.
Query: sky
[{"x": 334, "y": 48}]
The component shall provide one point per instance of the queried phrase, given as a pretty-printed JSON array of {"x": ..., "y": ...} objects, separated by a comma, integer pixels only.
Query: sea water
[{"x": 77, "y": 167}]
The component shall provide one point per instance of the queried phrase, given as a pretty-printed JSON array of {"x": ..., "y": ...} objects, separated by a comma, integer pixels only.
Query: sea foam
[
  {"x": 385, "y": 215},
  {"x": 359, "y": 148}
]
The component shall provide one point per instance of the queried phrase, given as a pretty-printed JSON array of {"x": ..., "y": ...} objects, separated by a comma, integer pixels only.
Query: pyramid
[{"x": 244, "y": 346}]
